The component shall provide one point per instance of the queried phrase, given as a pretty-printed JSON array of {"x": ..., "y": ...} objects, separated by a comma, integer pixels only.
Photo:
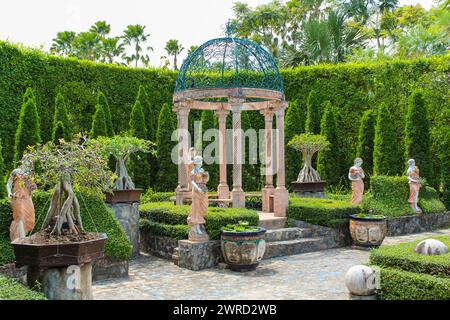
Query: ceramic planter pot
[
  {"x": 124, "y": 196},
  {"x": 368, "y": 231},
  {"x": 243, "y": 251}
]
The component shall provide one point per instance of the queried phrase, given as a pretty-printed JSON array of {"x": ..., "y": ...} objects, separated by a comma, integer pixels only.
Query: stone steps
[
  {"x": 291, "y": 247},
  {"x": 284, "y": 234},
  {"x": 270, "y": 222}
]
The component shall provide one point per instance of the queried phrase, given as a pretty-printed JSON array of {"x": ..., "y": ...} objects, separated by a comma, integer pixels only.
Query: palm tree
[
  {"x": 86, "y": 45},
  {"x": 101, "y": 28},
  {"x": 63, "y": 43},
  {"x": 111, "y": 48},
  {"x": 192, "y": 49},
  {"x": 174, "y": 48},
  {"x": 135, "y": 36}
]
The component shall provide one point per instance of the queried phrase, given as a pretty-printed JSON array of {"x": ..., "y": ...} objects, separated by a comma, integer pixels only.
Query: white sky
[{"x": 192, "y": 22}]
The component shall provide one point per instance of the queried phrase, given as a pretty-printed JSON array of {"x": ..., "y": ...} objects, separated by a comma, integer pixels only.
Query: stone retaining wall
[
  {"x": 158, "y": 246},
  {"x": 108, "y": 268},
  {"x": 417, "y": 223}
]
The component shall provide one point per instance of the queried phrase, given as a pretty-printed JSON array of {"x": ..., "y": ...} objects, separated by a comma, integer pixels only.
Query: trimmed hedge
[
  {"x": 11, "y": 289},
  {"x": 168, "y": 219},
  {"x": 403, "y": 285},
  {"x": 402, "y": 256},
  {"x": 389, "y": 196},
  {"x": 324, "y": 212},
  {"x": 94, "y": 212}
]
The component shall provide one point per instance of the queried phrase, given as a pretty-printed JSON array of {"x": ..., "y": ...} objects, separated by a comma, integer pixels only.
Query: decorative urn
[{"x": 368, "y": 230}]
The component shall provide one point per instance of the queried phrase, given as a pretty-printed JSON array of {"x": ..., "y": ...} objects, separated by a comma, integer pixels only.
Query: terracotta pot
[
  {"x": 367, "y": 232},
  {"x": 124, "y": 196},
  {"x": 58, "y": 255},
  {"x": 243, "y": 251}
]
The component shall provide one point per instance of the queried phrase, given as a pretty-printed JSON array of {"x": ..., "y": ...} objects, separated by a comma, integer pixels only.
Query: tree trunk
[
  {"x": 64, "y": 207},
  {"x": 123, "y": 181},
  {"x": 308, "y": 174}
]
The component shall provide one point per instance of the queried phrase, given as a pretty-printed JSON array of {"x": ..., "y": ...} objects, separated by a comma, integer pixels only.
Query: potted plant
[
  {"x": 308, "y": 181},
  {"x": 62, "y": 240},
  {"x": 368, "y": 229},
  {"x": 121, "y": 148},
  {"x": 242, "y": 246}
]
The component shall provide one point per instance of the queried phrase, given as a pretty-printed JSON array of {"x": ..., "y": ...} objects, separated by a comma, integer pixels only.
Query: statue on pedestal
[
  {"x": 414, "y": 185},
  {"x": 20, "y": 186},
  {"x": 356, "y": 176},
  {"x": 199, "y": 206}
]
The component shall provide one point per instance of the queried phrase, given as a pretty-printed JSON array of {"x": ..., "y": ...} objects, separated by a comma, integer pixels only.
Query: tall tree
[
  {"x": 386, "y": 150},
  {"x": 417, "y": 134},
  {"x": 28, "y": 131},
  {"x": 101, "y": 100},
  {"x": 328, "y": 160},
  {"x": 86, "y": 46},
  {"x": 99, "y": 128},
  {"x": 191, "y": 50},
  {"x": 166, "y": 178},
  {"x": 63, "y": 43},
  {"x": 150, "y": 113},
  {"x": 294, "y": 125},
  {"x": 135, "y": 36},
  {"x": 366, "y": 137},
  {"x": 111, "y": 48},
  {"x": 312, "y": 124},
  {"x": 2, "y": 173},
  {"x": 101, "y": 28},
  {"x": 61, "y": 124},
  {"x": 174, "y": 48}
]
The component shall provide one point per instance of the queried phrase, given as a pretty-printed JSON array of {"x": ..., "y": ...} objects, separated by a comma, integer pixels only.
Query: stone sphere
[
  {"x": 431, "y": 247},
  {"x": 360, "y": 280}
]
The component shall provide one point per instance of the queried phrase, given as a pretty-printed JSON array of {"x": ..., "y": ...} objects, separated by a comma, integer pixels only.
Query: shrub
[
  {"x": 387, "y": 156},
  {"x": 152, "y": 196},
  {"x": 417, "y": 134},
  {"x": 177, "y": 232},
  {"x": 366, "y": 138},
  {"x": 98, "y": 128},
  {"x": 403, "y": 285},
  {"x": 101, "y": 100},
  {"x": 13, "y": 290},
  {"x": 402, "y": 256},
  {"x": 150, "y": 115},
  {"x": 2, "y": 174},
  {"x": 61, "y": 124},
  {"x": 312, "y": 124},
  {"x": 28, "y": 132},
  {"x": 167, "y": 213},
  {"x": 328, "y": 159},
  {"x": 445, "y": 168},
  {"x": 324, "y": 212}
]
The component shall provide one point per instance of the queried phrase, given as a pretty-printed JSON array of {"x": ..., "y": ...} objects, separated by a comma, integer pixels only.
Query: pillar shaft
[
  {"x": 183, "y": 152},
  {"x": 281, "y": 199},
  {"x": 237, "y": 194},
  {"x": 222, "y": 189},
  {"x": 268, "y": 190}
]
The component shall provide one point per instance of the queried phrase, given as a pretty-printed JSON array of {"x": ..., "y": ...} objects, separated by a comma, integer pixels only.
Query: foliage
[
  {"x": 99, "y": 128},
  {"x": 11, "y": 289},
  {"x": 309, "y": 143},
  {"x": 101, "y": 100},
  {"x": 402, "y": 256},
  {"x": 324, "y": 212},
  {"x": 135, "y": 36},
  {"x": 417, "y": 134},
  {"x": 386, "y": 147},
  {"x": 176, "y": 232},
  {"x": 312, "y": 124},
  {"x": 241, "y": 226},
  {"x": 61, "y": 123},
  {"x": 28, "y": 131},
  {"x": 174, "y": 48},
  {"x": 366, "y": 136},
  {"x": 2, "y": 173},
  {"x": 294, "y": 125},
  {"x": 444, "y": 156},
  {"x": 152, "y": 196},
  {"x": 166, "y": 178},
  {"x": 175, "y": 215},
  {"x": 329, "y": 159}
]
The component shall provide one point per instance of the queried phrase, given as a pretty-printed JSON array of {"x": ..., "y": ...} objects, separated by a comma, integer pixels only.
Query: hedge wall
[
  {"x": 351, "y": 88},
  {"x": 96, "y": 217}
]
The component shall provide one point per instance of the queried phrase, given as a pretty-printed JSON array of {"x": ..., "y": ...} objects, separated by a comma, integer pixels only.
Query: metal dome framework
[{"x": 233, "y": 75}]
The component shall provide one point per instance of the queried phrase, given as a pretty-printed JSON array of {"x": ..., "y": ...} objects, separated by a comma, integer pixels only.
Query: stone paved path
[{"x": 316, "y": 275}]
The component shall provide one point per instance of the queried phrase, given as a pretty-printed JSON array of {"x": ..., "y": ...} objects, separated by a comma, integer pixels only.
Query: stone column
[
  {"x": 223, "y": 190},
  {"x": 237, "y": 194},
  {"x": 281, "y": 194},
  {"x": 183, "y": 151},
  {"x": 268, "y": 189}
]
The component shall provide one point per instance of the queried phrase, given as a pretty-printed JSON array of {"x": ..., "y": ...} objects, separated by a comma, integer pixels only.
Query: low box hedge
[
  {"x": 396, "y": 284},
  {"x": 167, "y": 213},
  {"x": 325, "y": 212},
  {"x": 402, "y": 256},
  {"x": 95, "y": 215},
  {"x": 11, "y": 289},
  {"x": 177, "y": 231}
]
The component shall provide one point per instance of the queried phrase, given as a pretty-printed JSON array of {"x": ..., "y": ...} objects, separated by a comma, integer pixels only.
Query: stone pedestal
[
  {"x": 128, "y": 216},
  {"x": 238, "y": 198},
  {"x": 64, "y": 283},
  {"x": 267, "y": 200},
  {"x": 198, "y": 255},
  {"x": 281, "y": 201}
]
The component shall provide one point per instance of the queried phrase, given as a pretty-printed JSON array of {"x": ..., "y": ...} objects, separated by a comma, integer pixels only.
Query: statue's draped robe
[
  {"x": 357, "y": 185},
  {"x": 22, "y": 207},
  {"x": 199, "y": 205},
  {"x": 414, "y": 187}
]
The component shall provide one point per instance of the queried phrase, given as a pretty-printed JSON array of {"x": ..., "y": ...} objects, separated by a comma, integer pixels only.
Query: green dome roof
[{"x": 229, "y": 63}]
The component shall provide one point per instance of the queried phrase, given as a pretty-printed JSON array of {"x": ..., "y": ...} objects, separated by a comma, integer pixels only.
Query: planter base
[
  {"x": 124, "y": 196},
  {"x": 243, "y": 267},
  {"x": 309, "y": 189}
]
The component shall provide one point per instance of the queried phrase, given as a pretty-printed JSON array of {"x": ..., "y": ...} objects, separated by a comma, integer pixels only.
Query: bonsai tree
[
  {"x": 64, "y": 165},
  {"x": 308, "y": 144},
  {"x": 121, "y": 148}
]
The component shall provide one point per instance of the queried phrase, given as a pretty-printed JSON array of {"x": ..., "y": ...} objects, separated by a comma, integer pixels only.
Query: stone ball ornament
[
  {"x": 431, "y": 247},
  {"x": 361, "y": 280}
]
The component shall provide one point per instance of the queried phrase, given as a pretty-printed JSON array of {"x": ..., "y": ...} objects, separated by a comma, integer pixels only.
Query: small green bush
[
  {"x": 152, "y": 196},
  {"x": 168, "y": 213},
  {"x": 12, "y": 290},
  {"x": 402, "y": 256},
  {"x": 403, "y": 285},
  {"x": 324, "y": 212},
  {"x": 177, "y": 232}
]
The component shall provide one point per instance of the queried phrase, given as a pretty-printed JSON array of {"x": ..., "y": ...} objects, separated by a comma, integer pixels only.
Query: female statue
[
  {"x": 414, "y": 185},
  {"x": 20, "y": 187},
  {"x": 356, "y": 176},
  {"x": 199, "y": 207}
]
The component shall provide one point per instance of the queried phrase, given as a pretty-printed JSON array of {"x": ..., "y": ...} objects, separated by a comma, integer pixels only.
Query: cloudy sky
[{"x": 35, "y": 23}]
